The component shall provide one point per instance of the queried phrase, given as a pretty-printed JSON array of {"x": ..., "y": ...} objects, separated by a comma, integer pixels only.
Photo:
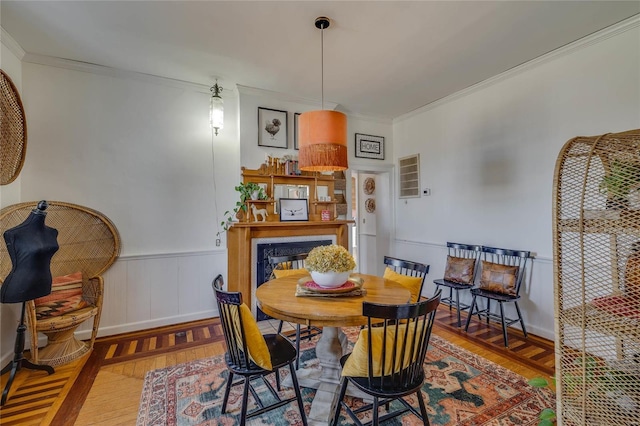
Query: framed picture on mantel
[
  {"x": 294, "y": 209},
  {"x": 272, "y": 128}
]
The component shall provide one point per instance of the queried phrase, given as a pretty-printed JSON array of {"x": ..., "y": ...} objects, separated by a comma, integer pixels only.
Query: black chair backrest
[
  {"x": 406, "y": 267},
  {"x": 231, "y": 319},
  {"x": 466, "y": 251},
  {"x": 291, "y": 261},
  {"x": 412, "y": 325},
  {"x": 508, "y": 257},
  {"x": 218, "y": 283}
]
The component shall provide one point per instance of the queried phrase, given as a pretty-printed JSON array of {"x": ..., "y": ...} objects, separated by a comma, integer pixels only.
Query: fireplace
[
  {"x": 266, "y": 249},
  {"x": 243, "y": 240}
]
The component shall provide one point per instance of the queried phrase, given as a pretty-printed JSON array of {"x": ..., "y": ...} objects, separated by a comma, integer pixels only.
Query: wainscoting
[{"x": 143, "y": 292}]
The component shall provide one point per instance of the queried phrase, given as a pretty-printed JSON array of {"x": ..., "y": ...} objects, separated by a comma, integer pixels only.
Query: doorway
[{"x": 372, "y": 212}]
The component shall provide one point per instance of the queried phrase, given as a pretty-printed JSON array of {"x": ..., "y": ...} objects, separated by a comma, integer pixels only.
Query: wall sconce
[{"x": 216, "y": 109}]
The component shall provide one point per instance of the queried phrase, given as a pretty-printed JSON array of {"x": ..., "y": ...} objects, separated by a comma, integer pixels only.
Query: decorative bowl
[{"x": 330, "y": 279}]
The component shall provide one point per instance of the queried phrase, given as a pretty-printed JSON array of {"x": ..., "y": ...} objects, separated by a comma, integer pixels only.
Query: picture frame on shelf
[
  {"x": 272, "y": 128},
  {"x": 296, "y": 117},
  {"x": 369, "y": 146},
  {"x": 294, "y": 210}
]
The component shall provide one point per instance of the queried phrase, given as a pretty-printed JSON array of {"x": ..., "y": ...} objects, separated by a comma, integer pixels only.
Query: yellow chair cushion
[
  {"x": 357, "y": 364},
  {"x": 410, "y": 283},
  {"x": 256, "y": 345},
  {"x": 281, "y": 273}
]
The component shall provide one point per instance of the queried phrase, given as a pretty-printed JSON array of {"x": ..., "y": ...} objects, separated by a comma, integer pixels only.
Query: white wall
[
  {"x": 10, "y": 194},
  {"x": 488, "y": 156}
]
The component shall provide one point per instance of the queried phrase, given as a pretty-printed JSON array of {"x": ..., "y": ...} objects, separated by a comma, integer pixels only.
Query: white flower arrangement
[{"x": 332, "y": 258}]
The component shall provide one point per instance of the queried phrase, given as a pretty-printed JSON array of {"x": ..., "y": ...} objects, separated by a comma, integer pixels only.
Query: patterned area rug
[{"x": 461, "y": 388}]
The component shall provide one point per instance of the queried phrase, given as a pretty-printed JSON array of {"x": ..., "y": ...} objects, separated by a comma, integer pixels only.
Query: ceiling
[{"x": 382, "y": 59}]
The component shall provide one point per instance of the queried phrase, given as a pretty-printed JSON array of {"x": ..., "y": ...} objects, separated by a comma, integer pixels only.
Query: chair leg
[
  {"x": 458, "y": 305},
  {"x": 297, "y": 346},
  {"x": 450, "y": 297},
  {"x": 245, "y": 401},
  {"x": 280, "y": 327},
  {"x": 226, "y": 393},
  {"x": 504, "y": 327},
  {"x": 488, "y": 309},
  {"x": 524, "y": 330},
  {"x": 337, "y": 402},
  {"x": 375, "y": 421},
  {"x": 277, "y": 371},
  {"x": 472, "y": 307},
  {"x": 296, "y": 388},
  {"x": 423, "y": 408}
]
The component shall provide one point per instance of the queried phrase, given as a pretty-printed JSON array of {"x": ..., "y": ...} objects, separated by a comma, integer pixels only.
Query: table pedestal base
[{"x": 326, "y": 380}]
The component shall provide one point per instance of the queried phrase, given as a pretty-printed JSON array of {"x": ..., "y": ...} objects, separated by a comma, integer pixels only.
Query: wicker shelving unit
[{"x": 597, "y": 282}]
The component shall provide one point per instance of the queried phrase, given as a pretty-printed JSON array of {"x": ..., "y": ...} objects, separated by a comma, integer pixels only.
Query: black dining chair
[
  {"x": 502, "y": 272},
  {"x": 281, "y": 266},
  {"x": 409, "y": 269},
  {"x": 246, "y": 348},
  {"x": 393, "y": 369},
  {"x": 460, "y": 272}
]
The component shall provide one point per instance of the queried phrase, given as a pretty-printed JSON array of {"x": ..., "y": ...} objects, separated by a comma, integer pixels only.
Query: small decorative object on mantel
[
  {"x": 247, "y": 191},
  {"x": 325, "y": 215},
  {"x": 369, "y": 146},
  {"x": 272, "y": 128},
  {"x": 330, "y": 265}
]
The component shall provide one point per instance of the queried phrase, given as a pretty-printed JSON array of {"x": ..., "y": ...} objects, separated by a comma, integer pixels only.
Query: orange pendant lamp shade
[{"x": 323, "y": 141}]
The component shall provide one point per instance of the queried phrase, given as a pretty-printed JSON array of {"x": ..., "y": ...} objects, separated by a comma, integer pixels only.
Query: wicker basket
[{"x": 597, "y": 280}]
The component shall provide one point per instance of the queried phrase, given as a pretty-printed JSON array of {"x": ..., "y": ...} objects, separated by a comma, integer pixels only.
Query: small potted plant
[
  {"x": 248, "y": 191},
  {"x": 618, "y": 182},
  {"x": 330, "y": 265}
]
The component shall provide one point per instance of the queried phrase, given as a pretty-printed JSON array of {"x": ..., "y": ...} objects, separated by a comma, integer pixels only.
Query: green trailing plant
[
  {"x": 547, "y": 416},
  {"x": 247, "y": 191}
]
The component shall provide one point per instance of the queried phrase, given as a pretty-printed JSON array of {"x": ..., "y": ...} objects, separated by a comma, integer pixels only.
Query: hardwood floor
[{"x": 104, "y": 387}]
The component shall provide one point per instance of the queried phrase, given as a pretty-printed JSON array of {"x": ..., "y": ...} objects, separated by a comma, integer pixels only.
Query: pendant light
[
  {"x": 322, "y": 134},
  {"x": 216, "y": 109}
]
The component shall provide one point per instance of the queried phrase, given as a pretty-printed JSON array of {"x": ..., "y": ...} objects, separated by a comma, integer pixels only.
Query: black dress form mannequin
[{"x": 31, "y": 245}]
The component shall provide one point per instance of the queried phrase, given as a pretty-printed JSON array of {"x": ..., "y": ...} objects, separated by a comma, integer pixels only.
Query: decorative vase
[
  {"x": 330, "y": 279},
  {"x": 255, "y": 195}
]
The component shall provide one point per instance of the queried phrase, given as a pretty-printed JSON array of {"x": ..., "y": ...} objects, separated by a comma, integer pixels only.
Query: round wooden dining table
[{"x": 278, "y": 299}]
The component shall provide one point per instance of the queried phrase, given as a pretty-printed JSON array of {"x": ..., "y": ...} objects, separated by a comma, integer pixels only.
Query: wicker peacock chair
[
  {"x": 597, "y": 279},
  {"x": 89, "y": 243}
]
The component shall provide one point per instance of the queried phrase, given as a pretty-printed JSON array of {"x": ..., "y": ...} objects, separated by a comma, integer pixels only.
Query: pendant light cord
[{"x": 322, "y": 67}]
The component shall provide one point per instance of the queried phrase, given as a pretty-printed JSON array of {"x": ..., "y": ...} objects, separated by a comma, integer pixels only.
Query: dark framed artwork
[
  {"x": 294, "y": 209},
  {"x": 369, "y": 146},
  {"x": 296, "y": 117},
  {"x": 272, "y": 128}
]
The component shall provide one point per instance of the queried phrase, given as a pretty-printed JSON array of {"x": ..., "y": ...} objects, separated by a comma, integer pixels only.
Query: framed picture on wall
[
  {"x": 294, "y": 209},
  {"x": 296, "y": 116},
  {"x": 369, "y": 146},
  {"x": 272, "y": 128}
]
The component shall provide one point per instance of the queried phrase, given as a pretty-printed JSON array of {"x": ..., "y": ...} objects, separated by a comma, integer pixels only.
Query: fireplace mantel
[{"x": 239, "y": 238}]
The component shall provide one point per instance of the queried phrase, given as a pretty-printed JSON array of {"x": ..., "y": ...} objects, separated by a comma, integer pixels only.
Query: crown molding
[
  {"x": 597, "y": 37},
  {"x": 254, "y": 91},
  {"x": 114, "y": 72},
  {"x": 11, "y": 44}
]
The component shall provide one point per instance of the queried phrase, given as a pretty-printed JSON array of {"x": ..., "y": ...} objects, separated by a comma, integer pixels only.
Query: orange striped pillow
[{"x": 66, "y": 296}]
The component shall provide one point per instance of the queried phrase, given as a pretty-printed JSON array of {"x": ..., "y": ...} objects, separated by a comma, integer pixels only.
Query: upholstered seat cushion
[
  {"x": 357, "y": 364},
  {"x": 281, "y": 273},
  {"x": 65, "y": 296},
  {"x": 412, "y": 284},
  {"x": 256, "y": 344},
  {"x": 67, "y": 320},
  {"x": 499, "y": 278},
  {"x": 459, "y": 270}
]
